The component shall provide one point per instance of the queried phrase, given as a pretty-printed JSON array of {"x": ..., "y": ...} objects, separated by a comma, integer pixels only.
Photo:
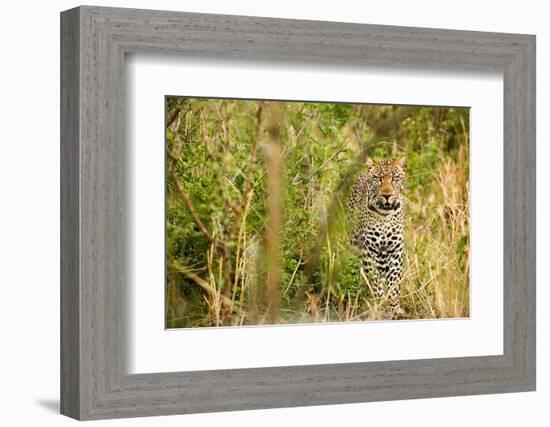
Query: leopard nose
[{"x": 386, "y": 197}]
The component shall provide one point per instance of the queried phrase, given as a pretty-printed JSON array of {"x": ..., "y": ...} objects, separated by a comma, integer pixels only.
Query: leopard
[{"x": 376, "y": 207}]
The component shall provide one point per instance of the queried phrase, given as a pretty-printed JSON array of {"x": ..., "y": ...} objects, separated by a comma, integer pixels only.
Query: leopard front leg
[
  {"x": 394, "y": 276},
  {"x": 375, "y": 280}
]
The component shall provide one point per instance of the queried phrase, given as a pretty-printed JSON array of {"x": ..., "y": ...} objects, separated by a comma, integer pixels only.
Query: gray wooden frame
[{"x": 94, "y": 382}]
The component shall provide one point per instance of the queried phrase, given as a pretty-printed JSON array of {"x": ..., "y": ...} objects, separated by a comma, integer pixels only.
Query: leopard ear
[
  {"x": 402, "y": 163},
  {"x": 369, "y": 163}
]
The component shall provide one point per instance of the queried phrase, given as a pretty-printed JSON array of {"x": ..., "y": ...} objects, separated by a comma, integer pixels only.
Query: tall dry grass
[{"x": 436, "y": 275}]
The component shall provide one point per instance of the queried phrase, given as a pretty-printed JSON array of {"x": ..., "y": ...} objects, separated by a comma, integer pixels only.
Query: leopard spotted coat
[{"x": 377, "y": 209}]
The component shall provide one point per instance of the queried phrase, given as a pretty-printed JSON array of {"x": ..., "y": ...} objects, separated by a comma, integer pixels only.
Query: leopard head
[{"x": 385, "y": 180}]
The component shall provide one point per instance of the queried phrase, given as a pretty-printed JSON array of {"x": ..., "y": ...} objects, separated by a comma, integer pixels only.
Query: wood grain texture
[{"x": 94, "y": 267}]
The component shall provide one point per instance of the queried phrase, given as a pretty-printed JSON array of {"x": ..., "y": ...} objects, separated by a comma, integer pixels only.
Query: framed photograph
[
  {"x": 260, "y": 230},
  {"x": 261, "y": 213}
]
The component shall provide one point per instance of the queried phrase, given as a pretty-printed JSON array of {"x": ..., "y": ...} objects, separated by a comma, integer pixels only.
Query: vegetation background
[{"x": 256, "y": 196}]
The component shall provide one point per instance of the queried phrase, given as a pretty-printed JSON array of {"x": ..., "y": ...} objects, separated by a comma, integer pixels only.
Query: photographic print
[{"x": 288, "y": 212}]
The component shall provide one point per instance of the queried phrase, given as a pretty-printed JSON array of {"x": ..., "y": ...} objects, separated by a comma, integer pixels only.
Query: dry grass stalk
[{"x": 274, "y": 165}]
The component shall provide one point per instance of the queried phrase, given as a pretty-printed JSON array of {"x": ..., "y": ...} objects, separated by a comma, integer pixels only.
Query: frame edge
[{"x": 70, "y": 395}]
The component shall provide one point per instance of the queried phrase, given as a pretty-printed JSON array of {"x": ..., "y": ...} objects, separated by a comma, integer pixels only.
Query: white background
[
  {"x": 152, "y": 349},
  {"x": 29, "y": 213}
]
